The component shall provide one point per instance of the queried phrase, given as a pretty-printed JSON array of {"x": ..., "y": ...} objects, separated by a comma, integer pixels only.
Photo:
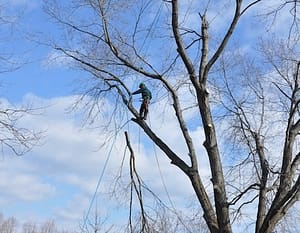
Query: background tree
[
  {"x": 11, "y": 225},
  {"x": 166, "y": 45},
  {"x": 13, "y": 137},
  {"x": 29, "y": 228},
  {"x": 96, "y": 224},
  {"x": 8, "y": 225},
  {"x": 7, "y": 22}
]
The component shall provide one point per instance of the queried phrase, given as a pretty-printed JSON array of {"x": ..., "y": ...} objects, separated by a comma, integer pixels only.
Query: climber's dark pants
[{"x": 144, "y": 109}]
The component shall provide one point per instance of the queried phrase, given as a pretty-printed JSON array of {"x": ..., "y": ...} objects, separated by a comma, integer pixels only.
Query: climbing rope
[{"x": 101, "y": 177}]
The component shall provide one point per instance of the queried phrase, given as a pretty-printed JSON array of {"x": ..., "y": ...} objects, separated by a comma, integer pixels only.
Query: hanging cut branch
[{"x": 136, "y": 185}]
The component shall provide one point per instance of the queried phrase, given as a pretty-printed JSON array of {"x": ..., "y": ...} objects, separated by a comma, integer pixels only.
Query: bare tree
[
  {"x": 8, "y": 225},
  {"x": 95, "y": 224},
  {"x": 29, "y": 228},
  {"x": 258, "y": 113},
  {"x": 11, "y": 225},
  {"x": 14, "y": 137},
  {"x": 48, "y": 227},
  {"x": 8, "y": 59},
  {"x": 155, "y": 41}
]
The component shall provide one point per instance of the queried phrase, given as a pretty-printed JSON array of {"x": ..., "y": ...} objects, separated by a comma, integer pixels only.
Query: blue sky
[{"x": 57, "y": 179}]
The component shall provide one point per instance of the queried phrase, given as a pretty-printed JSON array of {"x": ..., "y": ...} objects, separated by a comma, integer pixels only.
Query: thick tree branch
[
  {"x": 226, "y": 38},
  {"x": 180, "y": 46}
]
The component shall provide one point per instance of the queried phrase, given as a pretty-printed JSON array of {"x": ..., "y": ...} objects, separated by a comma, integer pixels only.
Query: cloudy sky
[{"x": 59, "y": 178}]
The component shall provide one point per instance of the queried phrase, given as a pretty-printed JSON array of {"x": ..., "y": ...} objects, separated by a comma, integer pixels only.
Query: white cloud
[{"x": 22, "y": 186}]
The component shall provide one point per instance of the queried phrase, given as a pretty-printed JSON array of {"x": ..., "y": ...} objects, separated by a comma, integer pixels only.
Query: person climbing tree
[{"x": 146, "y": 96}]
